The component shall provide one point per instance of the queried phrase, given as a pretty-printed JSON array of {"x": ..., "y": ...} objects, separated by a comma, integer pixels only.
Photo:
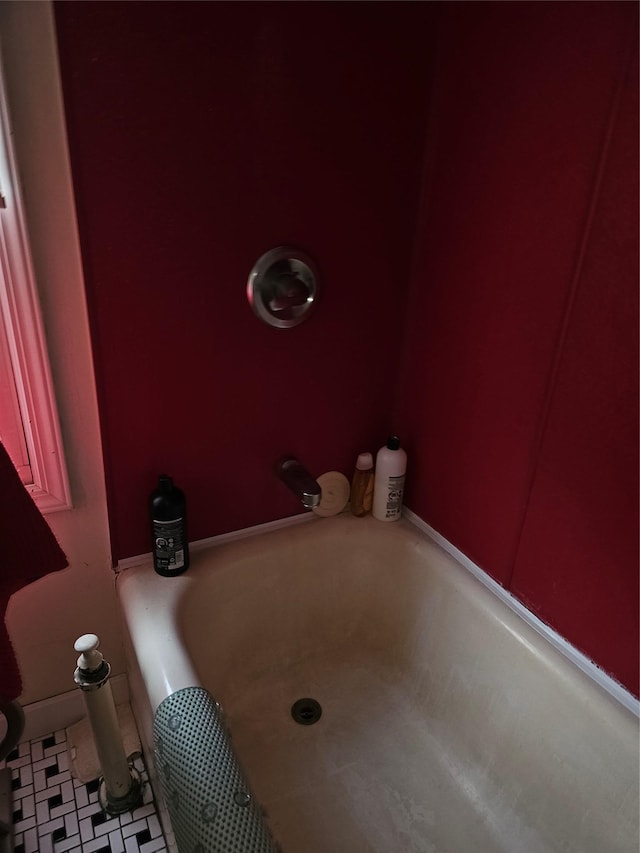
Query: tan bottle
[{"x": 362, "y": 486}]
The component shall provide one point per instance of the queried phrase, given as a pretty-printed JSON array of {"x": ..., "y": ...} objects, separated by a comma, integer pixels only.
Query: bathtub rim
[
  {"x": 189, "y": 678},
  {"x": 584, "y": 663}
]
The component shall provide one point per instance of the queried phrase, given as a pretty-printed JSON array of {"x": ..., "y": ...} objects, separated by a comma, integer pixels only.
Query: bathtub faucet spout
[{"x": 296, "y": 477}]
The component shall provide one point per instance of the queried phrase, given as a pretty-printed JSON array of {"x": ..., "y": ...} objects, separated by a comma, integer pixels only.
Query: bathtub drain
[{"x": 306, "y": 711}]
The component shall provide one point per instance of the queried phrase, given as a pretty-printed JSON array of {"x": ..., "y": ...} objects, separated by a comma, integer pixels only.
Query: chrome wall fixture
[{"x": 283, "y": 287}]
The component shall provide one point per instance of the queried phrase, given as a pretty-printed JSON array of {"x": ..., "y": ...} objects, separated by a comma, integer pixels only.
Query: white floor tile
[
  {"x": 116, "y": 842},
  {"x": 31, "y": 841},
  {"x": 71, "y": 843},
  {"x": 53, "y": 812},
  {"x": 71, "y": 824},
  {"x": 152, "y": 846},
  {"x": 154, "y": 826},
  {"x": 132, "y": 828}
]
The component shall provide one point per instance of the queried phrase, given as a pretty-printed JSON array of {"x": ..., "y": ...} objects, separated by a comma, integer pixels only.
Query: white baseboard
[{"x": 61, "y": 711}]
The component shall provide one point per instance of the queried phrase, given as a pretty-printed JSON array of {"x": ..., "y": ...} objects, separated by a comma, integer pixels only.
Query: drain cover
[{"x": 306, "y": 711}]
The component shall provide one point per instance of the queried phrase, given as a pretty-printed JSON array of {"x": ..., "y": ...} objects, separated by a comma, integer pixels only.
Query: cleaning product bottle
[
  {"x": 391, "y": 466},
  {"x": 169, "y": 528},
  {"x": 362, "y": 486}
]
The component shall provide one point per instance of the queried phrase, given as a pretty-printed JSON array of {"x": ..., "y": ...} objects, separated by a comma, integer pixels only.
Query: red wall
[
  {"x": 519, "y": 399},
  {"x": 202, "y": 135},
  {"x": 493, "y": 324}
]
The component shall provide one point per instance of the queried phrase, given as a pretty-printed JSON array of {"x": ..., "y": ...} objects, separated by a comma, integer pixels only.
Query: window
[{"x": 29, "y": 427}]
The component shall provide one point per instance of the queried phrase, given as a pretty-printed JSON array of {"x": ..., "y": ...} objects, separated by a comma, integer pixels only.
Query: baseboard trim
[
  {"x": 65, "y": 709},
  {"x": 224, "y": 538}
]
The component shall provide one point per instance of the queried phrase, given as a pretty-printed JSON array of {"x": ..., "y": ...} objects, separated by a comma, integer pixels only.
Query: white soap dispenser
[{"x": 388, "y": 489}]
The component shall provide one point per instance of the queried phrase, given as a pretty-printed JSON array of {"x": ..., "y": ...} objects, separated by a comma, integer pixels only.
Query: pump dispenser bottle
[
  {"x": 388, "y": 490},
  {"x": 169, "y": 528},
  {"x": 362, "y": 486}
]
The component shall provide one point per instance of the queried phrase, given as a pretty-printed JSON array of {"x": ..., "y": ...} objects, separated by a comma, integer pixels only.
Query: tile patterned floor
[{"x": 53, "y": 812}]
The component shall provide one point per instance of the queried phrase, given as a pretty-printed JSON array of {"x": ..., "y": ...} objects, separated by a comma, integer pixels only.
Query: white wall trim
[
  {"x": 24, "y": 328},
  {"x": 591, "y": 669},
  {"x": 59, "y": 712},
  {"x": 224, "y": 538},
  {"x": 34, "y": 93}
]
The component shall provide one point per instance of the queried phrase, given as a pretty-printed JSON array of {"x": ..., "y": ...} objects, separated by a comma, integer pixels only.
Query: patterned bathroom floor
[{"x": 53, "y": 812}]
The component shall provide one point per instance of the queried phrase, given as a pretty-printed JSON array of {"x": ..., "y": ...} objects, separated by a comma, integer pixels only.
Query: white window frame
[{"x": 23, "y": 329}]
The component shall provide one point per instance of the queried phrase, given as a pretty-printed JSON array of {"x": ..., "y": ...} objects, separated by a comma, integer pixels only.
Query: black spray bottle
[{"x": 168, "y": 510}]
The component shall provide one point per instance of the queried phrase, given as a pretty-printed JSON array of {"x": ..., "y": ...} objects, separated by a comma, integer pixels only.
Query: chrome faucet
[{"x": 296, "y": 477}]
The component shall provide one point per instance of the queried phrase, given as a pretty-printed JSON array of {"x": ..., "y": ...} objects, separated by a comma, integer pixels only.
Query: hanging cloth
[{"x": 28, "y": 551}]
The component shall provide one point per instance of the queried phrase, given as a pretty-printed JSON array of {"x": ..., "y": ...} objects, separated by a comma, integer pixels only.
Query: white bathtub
[{"x": 449, "y": 724}]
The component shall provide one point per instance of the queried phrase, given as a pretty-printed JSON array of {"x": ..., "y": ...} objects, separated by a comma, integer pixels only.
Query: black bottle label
[
  {"x": 394, "y": 497},
  {"x": 169, "y": 545}
]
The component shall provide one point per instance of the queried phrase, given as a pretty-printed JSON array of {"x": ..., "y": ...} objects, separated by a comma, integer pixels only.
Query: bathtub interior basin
[{"x": 445, "y": 723}]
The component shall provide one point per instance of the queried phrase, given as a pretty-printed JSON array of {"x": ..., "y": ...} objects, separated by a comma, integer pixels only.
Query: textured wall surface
[
  {"x": 519, "y": 399},
  {"x": 202, "y": 135},
  {"x": 493, "y": 326}
]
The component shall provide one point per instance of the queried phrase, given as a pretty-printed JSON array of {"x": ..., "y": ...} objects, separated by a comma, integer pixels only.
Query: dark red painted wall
[
  {"x": 202, "y": 135},
  {"x": 577, "y": 563},
  {"x": 519, "y": 399}
]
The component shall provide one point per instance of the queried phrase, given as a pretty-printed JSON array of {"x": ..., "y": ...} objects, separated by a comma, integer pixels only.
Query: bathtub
[{"x": 448, "y": 722}]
